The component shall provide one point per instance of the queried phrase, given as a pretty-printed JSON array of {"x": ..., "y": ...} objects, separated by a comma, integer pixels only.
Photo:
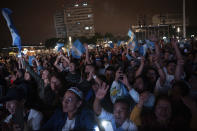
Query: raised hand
[
  {"x": 126, "y": 82},
  {"x": 102, "y": 91},
  {"x": 86, "y": 46},
  {"x": 180, "y": 62},
  {"x": 174, "y": 43},
  {"x": 153, "y": 38},
  {"x": 143, "y": 98},
  {"x": 142, "y": 60}
]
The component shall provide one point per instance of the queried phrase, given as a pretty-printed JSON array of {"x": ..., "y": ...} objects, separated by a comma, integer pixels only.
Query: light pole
[{"x": 184, "y": 23}]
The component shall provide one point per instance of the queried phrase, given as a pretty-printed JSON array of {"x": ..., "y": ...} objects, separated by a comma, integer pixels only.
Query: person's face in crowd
[
  {"x": 55, "y": 83},
  {"x": 89, "y": 69},
  {"x": 45, "y": 74},
  {"x": 120, "y": 113},
  {"x": 130, "y": 76},
  {"x": 171, "y": 68},
  {"x": 109, "y": 74},
  {"x": 163, "y": 110},
  {"x": 64, "y": 63},
  {"x": 132, "y": 63},
  {"x": 105, "y": 59},
  {"x": 98, "y": 63},
  {"x": 95, "y": 87},
  {"x": 139, "y": 85},
  {"x": 166, "y": 55},
  {"x": 150, "y": 58},
  {"x": 72, "y": 67},
  {"x": 35, "y": 69},
  {"x": 13, "y": 77},
  {"x": 27, "y": 76},
  {"x": 151, "y": 74},
  {"x": 19, "y": 74},
  {"x": 45, "y": 65},
  {"x": 176, "y": 93},
  {"x": 11, "y": 106},
  {"x": 70, "y": 102}
]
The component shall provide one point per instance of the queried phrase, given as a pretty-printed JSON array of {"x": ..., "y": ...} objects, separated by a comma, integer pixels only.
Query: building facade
[
  {"x": 79, "y": 20},
  {"x": 168, "y": 25},
  {"x": 59, "y": 22}
]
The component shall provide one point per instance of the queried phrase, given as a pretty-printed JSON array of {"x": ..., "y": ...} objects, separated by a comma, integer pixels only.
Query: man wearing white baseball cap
[{"x": 72, "y": 116}]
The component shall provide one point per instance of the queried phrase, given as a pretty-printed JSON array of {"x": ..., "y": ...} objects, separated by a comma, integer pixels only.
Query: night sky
[{"x": 34, "y": 18}]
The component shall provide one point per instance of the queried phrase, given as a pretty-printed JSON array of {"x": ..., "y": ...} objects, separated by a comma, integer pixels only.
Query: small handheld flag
[
  {"x": 59, "y": 46},
  {"x": 77, "y": 49},
  {"x": 31, "y": 58},
  {"x": 111, "y": 45},
  {"x": 132, "y": 42}
]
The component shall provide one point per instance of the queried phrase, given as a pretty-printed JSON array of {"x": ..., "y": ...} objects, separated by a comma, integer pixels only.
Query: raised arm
[
  {"x": 159, "y": 69},
  {"x": 66, "y": 59},
  {"x": 87, "y": 60},
  {"x": 177, "y": 51},
  {"x": 57, "y": 61},
  {"x": 141, "y": 67},
  {"x": 180, "y": 62},
  {"x": 99, "y": 95}
]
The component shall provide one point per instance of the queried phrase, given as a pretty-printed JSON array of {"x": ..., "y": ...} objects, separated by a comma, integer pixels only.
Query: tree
[{"x": 51, "y": 43}]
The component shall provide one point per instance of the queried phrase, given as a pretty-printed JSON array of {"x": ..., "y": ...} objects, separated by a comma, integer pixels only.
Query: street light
[{"x": 178, "y": 30}]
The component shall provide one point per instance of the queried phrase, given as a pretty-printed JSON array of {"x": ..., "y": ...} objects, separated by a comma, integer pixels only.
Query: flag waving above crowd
[
  {"x": 132, "y": 41},
  {"x": 16, "y": 40},
  {"x": 77, "y": 49}
]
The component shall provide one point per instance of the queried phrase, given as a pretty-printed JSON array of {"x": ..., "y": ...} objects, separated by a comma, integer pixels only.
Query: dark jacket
[{"x": 85, "y": 120}]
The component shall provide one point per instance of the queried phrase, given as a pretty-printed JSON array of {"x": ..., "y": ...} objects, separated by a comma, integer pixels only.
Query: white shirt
[
  {"x": 34, "y": 119},
  {"x": 69, "y": 125},
  {"x": 136, "y": 97},
  {"x": 167, "y": 85},
  {"x": 127, "y": 125}
]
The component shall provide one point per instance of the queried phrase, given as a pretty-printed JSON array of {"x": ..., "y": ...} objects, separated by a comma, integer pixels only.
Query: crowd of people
[{"x": 106, "y": 89}]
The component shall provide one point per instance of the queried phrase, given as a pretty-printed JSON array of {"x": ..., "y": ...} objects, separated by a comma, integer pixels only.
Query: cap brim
[{"x": 5, "y": 99}]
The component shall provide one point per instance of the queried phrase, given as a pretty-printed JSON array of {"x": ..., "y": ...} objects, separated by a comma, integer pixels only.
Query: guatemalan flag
[
  {"x": 143, "y": 49},
  {"x": 150, "y": 44},
  {"x": 111, "y": 44},
  {"x": 132, "y": 42},
  {"x": 59, "y": 46},
  {"x": 16, "y": 40},
  {"x": 120, "y": 43},
  {"x": 77, "y": 49}
]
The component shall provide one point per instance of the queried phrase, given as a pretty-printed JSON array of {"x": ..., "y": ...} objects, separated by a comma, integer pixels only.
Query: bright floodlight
[
  {"x": 76, "y": 5},
  {"x": 87, "y": 28},
  {"x": 178, "y": 29}
]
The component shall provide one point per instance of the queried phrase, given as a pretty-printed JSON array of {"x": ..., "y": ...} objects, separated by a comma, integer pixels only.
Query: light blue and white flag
[
  {"x": 16, "y": 40},
  {"x": 143, "y": 49},
  {"x": 31, "y": 58},
  {"x": 120, "y": 43},
  {"x": 109, "y": 55},
  {"x": 59, "y": 46},
  {"x": 77, "y": 49},
  {"x": 150, "y": 44},
  {"x": 132, "y": 41},
  {"x": 111, "y": 45},
  {"x": 68, "y": 52}
]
